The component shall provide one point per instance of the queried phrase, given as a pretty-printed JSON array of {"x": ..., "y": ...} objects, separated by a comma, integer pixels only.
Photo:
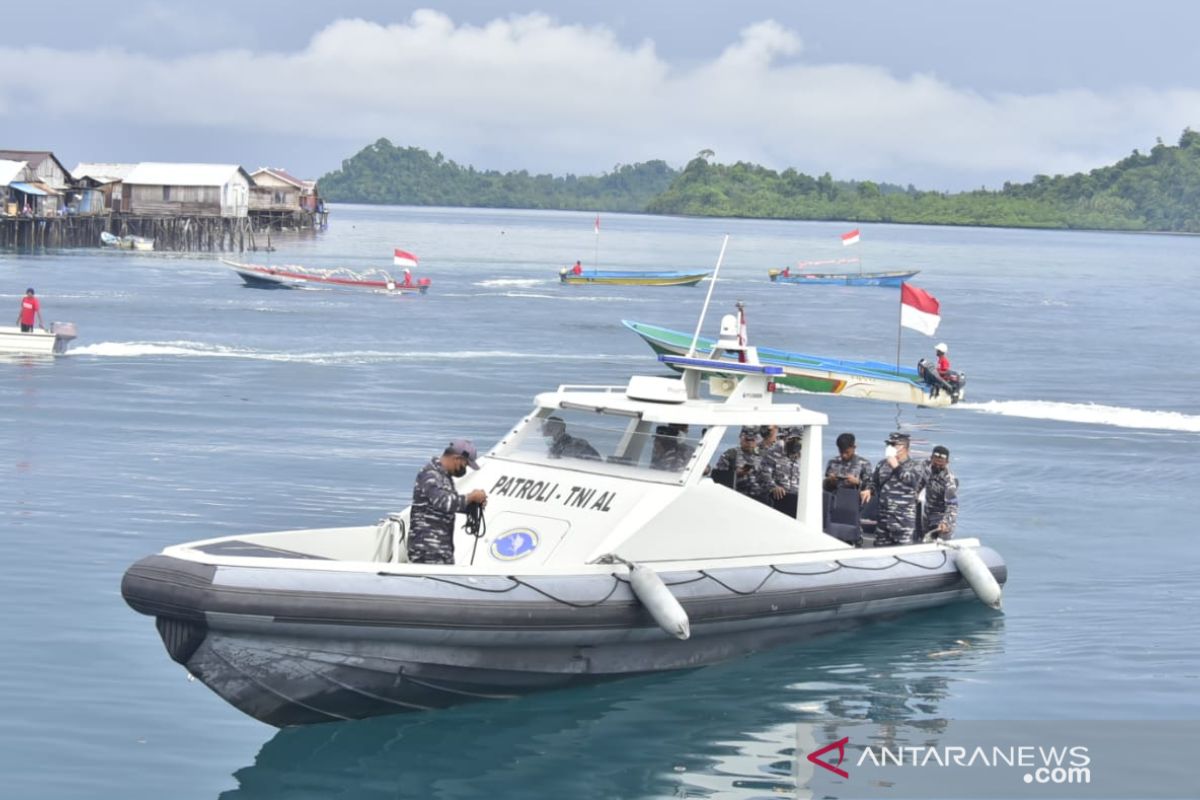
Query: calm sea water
[{"x": 193, "y": 407}]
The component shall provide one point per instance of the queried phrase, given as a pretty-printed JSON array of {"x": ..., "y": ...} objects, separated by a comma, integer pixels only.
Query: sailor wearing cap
[
  {"x": 896, "y": 482},
  {"x": 941, "y": 496},
  {"x": 779, "y": 473},
  {"x": 738, "y": 466},
  {"x": 435, "y": 502}
]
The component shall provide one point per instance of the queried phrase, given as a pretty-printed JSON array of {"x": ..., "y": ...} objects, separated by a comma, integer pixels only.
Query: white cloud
[{"x": 552, "y": 97}]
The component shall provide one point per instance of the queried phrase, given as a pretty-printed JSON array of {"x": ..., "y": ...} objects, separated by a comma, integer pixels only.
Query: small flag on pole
[
  {"x": 403, "y": 258},
  {"x": 597, "y": 225},
  {"x": 850, "y": 238},
  {"x": 919, "y": 309}
]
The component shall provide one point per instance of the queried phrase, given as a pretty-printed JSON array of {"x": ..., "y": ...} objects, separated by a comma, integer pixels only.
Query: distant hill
[
  {"x": 1158, "y": 191},
  {"x": 384, "y": 174},
  {"x": 1155, "y": 192}
]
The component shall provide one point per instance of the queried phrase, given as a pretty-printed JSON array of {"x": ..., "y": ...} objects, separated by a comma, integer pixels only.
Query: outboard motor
[
  {"x": 64, "y": 333},
  {"x": 952, "y": 383},
  {"x": 957, "y": 381}
]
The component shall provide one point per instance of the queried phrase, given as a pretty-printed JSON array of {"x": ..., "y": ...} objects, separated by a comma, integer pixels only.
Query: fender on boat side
[{"x": 162, "y": 586}]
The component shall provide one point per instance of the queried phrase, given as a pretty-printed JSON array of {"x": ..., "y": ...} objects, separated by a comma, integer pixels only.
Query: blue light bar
[{"x": 721, "y": 366}]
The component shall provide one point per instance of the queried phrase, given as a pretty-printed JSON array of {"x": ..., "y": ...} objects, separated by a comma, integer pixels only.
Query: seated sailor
[
  {"x": 672, "y": 451},
  {"x": 779, "y": 472},
  {"x": 564, "y": 445},
  {"x": 737, "y": 467}
]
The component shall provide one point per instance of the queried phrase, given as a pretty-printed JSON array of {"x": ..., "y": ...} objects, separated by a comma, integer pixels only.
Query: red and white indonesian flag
[
  {"x": 850, "y": 238},
  {"x": 597, "y": 228},
  {"x": 403, "y": 258},
  {"x": 919, "y": 309}
]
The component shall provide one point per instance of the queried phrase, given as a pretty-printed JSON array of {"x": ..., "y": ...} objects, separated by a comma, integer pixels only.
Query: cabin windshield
[{"x": 604, "y": 443}]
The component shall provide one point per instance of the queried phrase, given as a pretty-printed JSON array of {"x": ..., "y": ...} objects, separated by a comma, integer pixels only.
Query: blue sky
[{"x": 945, "y": 95}]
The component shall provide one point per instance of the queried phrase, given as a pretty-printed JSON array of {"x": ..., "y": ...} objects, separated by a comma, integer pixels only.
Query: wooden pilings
[
  {"x": 30, "y": 233},
  {"x": 174, "y": 233}
]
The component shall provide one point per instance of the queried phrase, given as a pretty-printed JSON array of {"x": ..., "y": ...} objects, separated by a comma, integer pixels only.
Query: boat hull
[
  {"x": 33, "y": 343},
  {"x": 872, "y": 380},
  {"x": 844, "y": 278},
  {"x": 297, "y": 644},
  {"x": 631, "y": 278},
  {"x": 263, "y": 277}
]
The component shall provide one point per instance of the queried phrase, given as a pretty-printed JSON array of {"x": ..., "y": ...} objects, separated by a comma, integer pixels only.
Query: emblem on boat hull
[{"x": 514, "y": 544}]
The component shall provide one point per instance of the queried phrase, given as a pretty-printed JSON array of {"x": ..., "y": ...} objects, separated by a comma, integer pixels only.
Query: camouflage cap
[{"x": 464, "y": 448}]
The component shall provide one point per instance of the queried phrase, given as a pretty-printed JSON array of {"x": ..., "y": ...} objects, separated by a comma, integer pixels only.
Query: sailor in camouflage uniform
[
  {"x": 779, "y": 472},
  {"x": 563, "y": 444},
  {"x": 435, "y": 502},
  {"x": 941, "y": 496},
  {"x": 848, "y": 468},
  {"x": 671, "y": 450},
  {"x": 897, "y": 482},
  {"x": 738, "y": 466}
]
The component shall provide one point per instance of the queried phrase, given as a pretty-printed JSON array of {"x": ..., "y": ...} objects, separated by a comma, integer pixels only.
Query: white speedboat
[
  {"x": 584, "y": 568},
  {"x": 37, "y": 342}
]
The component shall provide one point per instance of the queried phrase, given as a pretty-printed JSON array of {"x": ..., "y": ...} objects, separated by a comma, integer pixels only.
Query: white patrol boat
[
  {"x": 580, "y": 569},
  {"x": 53, "y": 342}
]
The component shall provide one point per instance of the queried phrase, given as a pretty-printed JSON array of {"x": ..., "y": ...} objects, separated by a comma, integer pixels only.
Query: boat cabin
[{"x": 628, "y": 480}]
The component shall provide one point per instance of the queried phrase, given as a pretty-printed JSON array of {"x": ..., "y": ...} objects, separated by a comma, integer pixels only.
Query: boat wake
[
  {"x": 1089, "y": 413},
  {"x": 523, "y": 283},
  {"x": 188, "y": 349}
]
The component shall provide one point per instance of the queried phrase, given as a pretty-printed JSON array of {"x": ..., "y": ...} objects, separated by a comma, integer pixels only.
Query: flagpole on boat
[
  {"x": 899, "y": 327},
  {"x": 711, "y": 285},
  {"x": 596, "y": 251}
]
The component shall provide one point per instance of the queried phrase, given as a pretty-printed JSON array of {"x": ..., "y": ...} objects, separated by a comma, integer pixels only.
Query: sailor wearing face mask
[
  {"x": 896, "y": 482},
  {"x": 779, "y": 473},
  {"x": 435, "y": 502}
]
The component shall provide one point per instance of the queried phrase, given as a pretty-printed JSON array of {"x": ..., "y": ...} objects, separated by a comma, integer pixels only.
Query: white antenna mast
[{"x": 711, "y": 285}]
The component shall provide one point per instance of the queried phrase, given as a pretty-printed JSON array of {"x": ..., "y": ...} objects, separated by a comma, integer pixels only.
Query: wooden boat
[
  {"x": 36, "y": 342},
  {"x": 894, "y": 278},
  {"x": 874, "y": 380},
  {"x": 294, "y": 277},
  {"x": 612, "y": 277}
]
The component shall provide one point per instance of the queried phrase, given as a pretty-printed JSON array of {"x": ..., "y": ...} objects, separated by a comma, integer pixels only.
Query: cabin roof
[
  {"x": 280, "y": 174},
  {"x": 11, "y": 170},
  {"x": 33, "y": 157},
  {"x": 701, "y": 412},
  {"x": 153, "y": 173},
  {"x": 105, "y": 172}
]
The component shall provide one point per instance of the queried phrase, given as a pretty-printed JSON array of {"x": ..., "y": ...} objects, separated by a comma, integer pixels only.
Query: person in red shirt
[
  {"x": 577, "y": 269},
  {"x": 943, "y": 363},
  {"x": 31, "y": 310}
]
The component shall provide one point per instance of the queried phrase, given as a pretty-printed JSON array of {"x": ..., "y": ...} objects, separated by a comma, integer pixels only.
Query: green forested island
[
  {"x": 1156, "y": 191},
  {"x": 385, "y": 174}
]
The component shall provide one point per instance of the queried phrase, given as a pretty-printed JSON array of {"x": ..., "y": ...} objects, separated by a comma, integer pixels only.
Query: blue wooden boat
[
  {"x": 612, "y": 277},
  {"x": 894, "y": 278},
  {"x": 873, "y": 380}
]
